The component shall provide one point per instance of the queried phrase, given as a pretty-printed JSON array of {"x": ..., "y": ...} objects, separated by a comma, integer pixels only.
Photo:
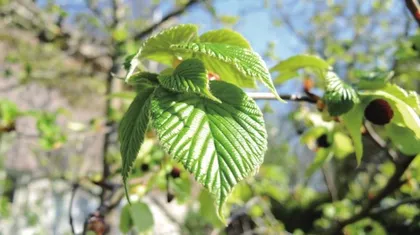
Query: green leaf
[
  {"x": 143, "y": 77},
  {"x": 313, "y": 133},
  {"x": 411, "y": 98},
  {"x": 142, "y": 217},
  {"x": 225, "y": 36},
  {"x": 220, "y": 143},
  {"x": 404, "y": 139},
  {"x": 322, "y": 155},
  {"x": 233, "y": 64},
  {"x": 353, "y": 121},
  {"x": 374, "y": 80},
  {"x": 342, "y": 146},
  {"x": 301, "y": 61},
  {"x": 339, "y": 96},
  {"x": 158, "y": 47},
  {"x": 207, "y": 210},
  {"x": 404, "y": 115},
  {"x": 189, "y": 77},
  {"x": 284, "y": 76},
  {"x": 132, "y": 130},
  {"x": 126, "y": 222}
]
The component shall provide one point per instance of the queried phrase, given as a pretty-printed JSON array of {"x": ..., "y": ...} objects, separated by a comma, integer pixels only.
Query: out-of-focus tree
[{"x": 79, "y": 49}]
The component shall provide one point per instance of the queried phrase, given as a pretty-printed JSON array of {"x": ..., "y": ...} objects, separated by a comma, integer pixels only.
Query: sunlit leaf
[
  {"x": 233, "y": 64},
  {"x": 189, "y": 77},
  {"x": 142, "y": 217},
  {"x": 353, "y": 121},
  {"x": 225, "y": 36},
  {"x": 133, "y": 128},
  {"x": 219, "y": 143},
  {"x": 322, "y": 155},
  {"x": 158, "y": 47},
  {"x": 339, "y": 96}
]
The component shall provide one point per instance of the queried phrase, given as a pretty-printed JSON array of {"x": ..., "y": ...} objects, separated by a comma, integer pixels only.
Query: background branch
[
  {"x": 169, "y": 16},
  {"x": 414, "y": 8}
]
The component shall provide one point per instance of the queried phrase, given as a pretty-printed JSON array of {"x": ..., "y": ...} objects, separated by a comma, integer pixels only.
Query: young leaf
[
  {"x": 225, "y": 36},
  {"x": 220, "y": 143},
  {"x": 411, "y": 98},
  {"x": 339, "y": 96},
  {"x": 322, "y": 155},
  {"x": 158, "y": 46},
  {"x": 233, "y": 64},
  {"x": 189, "y": 77},
  {"x": 297, "y": 62},
  {"x": 404, "y": 139},
  {"x": 404, "y": 115},
  {"x": 353, "y": 121},
  {"x": 126, "y": 222},
  {"x": 142, "y": 217},
  {"x": 133, "y": 128},
  {"x": 374, "y": 80},
  {"x": 288, "y": 68}
]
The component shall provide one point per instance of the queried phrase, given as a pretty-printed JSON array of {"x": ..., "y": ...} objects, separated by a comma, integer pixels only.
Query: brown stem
[
  {"x": 414, "y": 8},
  {"x": 167, "y": 17}
]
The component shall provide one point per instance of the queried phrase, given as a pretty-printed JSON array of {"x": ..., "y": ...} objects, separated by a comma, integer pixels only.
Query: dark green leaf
[{"x": 339, "y": 96}]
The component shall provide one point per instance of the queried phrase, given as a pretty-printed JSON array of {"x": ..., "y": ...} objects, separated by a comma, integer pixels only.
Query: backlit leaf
[
  {"x": 220, "y": 143},
  {"x": 233, "y": 64}
]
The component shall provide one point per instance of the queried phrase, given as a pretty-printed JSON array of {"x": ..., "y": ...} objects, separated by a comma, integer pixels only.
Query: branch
[
  {"x": 393, "y": 184},
  {"x": 73, "y": 194},
  {"x": 391, "y": 154},
  {"x": 393, "y": 207},
  {"x": 169, "y": 16},
  {"x": 270, "y": 96},
  {"x": 414, "y": 7}
]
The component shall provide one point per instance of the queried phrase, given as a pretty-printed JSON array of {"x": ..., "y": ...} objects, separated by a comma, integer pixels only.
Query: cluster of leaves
[
  {"x": 347, "y": 103},
  {"x": 209, "y": 125}
]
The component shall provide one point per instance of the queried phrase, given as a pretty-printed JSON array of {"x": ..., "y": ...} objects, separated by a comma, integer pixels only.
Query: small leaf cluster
[{"x": 373, "y": 98}]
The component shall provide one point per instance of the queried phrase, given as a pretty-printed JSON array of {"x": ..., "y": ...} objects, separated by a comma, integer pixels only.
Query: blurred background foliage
[{"x": 61, "y": 101}]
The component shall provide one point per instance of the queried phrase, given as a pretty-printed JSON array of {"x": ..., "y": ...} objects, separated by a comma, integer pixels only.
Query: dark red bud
[{"x": 379, "y": 112}]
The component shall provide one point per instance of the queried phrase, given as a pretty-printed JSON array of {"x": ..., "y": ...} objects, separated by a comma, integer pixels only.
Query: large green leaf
[
  {"x": 353, "y": 121},
  {"x": 225, "y": 36},
  {"x": 190, "y": 76},
  {"x": 158, "y": 46},
  {"x": 133, "y": 128},
  {"x": 233, "y": 64},
  {"x": 220, "y": 143},
  {"x": 339, "y": 96}
]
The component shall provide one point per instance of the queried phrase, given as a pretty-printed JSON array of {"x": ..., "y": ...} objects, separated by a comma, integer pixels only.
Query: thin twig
[
  {"x": 395, "y": 206},
  {"x": 393, "y": 184},
  {"x": 167, "y": 17},
  {"x": 73, "y": 194},
  {"x": 270, "y": 96},
  {"x": 391, "y": 154},
  {"x": 414, "y": 7}
]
